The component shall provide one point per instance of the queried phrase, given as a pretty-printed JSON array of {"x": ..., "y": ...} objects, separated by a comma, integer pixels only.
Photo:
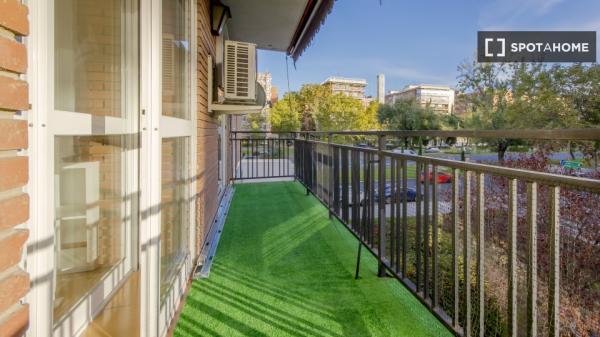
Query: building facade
[
  {"x": 353, "y": 87},
  {"x": 113, "y": 157},
  {"x": 438, "y": 98}
]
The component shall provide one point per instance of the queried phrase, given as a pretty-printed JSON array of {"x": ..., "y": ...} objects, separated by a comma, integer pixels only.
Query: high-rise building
[
  {"x": 438, "y": 98},
  {"x": 353, "y": 87},
  {"x": 265, "y": 79},
  {"x": 381, "y": 88}
]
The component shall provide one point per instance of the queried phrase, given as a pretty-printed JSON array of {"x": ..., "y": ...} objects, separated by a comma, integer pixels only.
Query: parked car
[
  {"x": 405, "y": 151},
  {"x": 442, "y": 178},
  {"x": 410, "y": 195},
  {"x": 362, "y": 145},
  {"x": 432, "y": 149}
]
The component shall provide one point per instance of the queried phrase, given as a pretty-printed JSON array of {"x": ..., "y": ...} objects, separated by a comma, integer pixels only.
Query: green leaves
[
  {"x": 408, "y": 115},
  {"x": 314, "y": 107}
]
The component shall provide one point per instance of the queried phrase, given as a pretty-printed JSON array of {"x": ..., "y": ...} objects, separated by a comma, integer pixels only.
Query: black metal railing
[
  {"x": 483, "y": 246},
  {"x": 262, "y": 155}
]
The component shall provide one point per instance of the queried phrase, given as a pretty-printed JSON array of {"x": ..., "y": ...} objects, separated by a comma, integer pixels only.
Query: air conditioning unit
[{"x": 239, "y": 70}]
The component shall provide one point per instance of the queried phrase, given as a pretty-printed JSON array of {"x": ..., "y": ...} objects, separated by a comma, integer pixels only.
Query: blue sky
[{"x": 416, "y": 41}]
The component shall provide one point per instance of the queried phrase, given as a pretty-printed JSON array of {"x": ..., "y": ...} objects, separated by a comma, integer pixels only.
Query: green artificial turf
[{"x": 284, "y": 269}]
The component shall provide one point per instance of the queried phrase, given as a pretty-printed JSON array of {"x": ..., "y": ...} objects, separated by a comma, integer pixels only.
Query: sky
[{"x": 414, "y": 42}]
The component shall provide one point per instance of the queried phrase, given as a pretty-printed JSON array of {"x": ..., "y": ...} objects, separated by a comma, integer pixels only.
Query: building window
[
  {"x": 88, "y": 59},
  {"x": 175, "y": 164},
  {"x": 174, "y": 209},
  {"x": 89, "y": 179},
  {"x": 93, "y": 159},
  {"x": 175, "y": 58}
]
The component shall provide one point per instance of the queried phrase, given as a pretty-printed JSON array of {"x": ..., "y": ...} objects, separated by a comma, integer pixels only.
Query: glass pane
[
  {"x": 88, "y": 48},
  {"x": 174, "y": 227},
  {"x": 90, "y": 200},
  {"x": 175, "y": 58}
]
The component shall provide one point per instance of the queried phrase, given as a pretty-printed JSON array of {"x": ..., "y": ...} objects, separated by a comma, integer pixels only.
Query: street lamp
[{"x": 219, "y": 14}]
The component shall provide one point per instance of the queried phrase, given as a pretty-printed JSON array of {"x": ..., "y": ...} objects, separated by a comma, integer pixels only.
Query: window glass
[
  {"x": 89, "y": 197},
  {"x": 88, "y": 56},
  {"x": 175, "y": 58},
  {"x": 174, "y": 233}
]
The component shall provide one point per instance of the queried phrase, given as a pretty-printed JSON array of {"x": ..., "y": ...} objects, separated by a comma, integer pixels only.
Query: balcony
[
  {"x": 284, "y": 268},
  {"x": 467, "y": 248}
]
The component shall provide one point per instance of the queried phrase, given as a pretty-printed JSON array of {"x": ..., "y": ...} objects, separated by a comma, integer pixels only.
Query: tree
[
  {"x": 488, "y": 89},
  {"x": 408, "y": 115},
  {"x": 368, "y": 120},
  {"x": 256, "y": 121},
  {"x": 282, "y": 116},
  {"x": 315, "y": 107}
]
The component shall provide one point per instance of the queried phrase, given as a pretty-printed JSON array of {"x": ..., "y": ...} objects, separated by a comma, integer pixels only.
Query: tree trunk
[
  {"x": 502, "y": 148},
  {"x": 571, "y": 151}
]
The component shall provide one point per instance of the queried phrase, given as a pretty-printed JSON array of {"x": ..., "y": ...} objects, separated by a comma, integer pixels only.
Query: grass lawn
[{"x": 284, "y": 269}]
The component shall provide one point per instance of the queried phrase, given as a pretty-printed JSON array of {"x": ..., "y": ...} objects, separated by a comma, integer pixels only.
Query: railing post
[
  {"x": 331, "y": 172},
  {"x": 304, "y": 154},
  {"x": 381, "y": 204}
]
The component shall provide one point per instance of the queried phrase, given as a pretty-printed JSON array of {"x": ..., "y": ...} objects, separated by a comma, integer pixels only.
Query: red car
[{"x": 442, "y": 178}]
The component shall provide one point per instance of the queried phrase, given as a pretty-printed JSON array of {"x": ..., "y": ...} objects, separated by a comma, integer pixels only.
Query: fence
[
  {"x": 484, "y": 247},
  {"x": 261, "y": 155}
]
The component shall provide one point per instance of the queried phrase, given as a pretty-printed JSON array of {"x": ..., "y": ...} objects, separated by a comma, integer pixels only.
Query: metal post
[
  {"x": 381, "y": 205},
  {"x": 358, "y": 261},
  {"x": 331, "y": 173}
]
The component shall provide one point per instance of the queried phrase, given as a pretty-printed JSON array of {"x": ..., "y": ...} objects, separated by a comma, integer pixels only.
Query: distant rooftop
[
  {"x": 425, "y": 86},
  {"x": 419, "y": 86},
  {"x": 337, "y": 79}
]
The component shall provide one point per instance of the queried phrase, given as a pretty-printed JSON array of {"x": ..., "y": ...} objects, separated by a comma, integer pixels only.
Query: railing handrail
[
  {"x": 542, "y": 134},
  {"x": 353, "y": 182},
  {"x": 591, "y": 185}
]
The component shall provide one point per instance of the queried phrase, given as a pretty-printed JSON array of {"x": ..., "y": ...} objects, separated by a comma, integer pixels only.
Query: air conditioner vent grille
[{"x": 240, "y": 70}]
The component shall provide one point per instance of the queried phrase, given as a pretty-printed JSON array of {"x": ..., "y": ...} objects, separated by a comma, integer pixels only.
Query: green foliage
[
  {"x": 256, "y": 121},
  {"x": 314, "y": 107},
  {"x": 283, "y": 117},
  {"x": 530, "y": 96},
  {"x": 408, "y": 115}
]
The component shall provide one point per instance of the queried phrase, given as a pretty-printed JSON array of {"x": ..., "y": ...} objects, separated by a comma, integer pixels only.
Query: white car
[
  {"x": 405, "y": 151},
  {"x": 432, "y": 149}
]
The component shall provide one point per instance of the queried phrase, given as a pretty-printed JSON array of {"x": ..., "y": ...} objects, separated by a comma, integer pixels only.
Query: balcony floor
[{"x": 284, "y": 269}]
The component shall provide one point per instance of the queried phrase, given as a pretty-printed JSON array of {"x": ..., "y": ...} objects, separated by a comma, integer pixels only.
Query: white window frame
[
  {"x": 45, "y": 122},
  {"x": 155, "y": 319}
]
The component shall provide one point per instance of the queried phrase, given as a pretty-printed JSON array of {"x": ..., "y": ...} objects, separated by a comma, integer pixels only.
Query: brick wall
[
  {"x": 207, "y": 173},
  {"x": 14, "y": 203}
]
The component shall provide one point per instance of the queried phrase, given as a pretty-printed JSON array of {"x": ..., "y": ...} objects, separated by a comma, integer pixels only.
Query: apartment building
[
  {"x": 353, "y": 87},
  {"x": 112, "y": 147},
  {"x": 438, "y": 98}
]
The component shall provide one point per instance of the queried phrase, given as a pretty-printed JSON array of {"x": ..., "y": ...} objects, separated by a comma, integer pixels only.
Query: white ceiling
[{"x": 268, "y": 23}]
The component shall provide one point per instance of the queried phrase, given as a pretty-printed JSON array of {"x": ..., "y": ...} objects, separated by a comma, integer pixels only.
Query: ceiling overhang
[{"x": 280, "y": 25}]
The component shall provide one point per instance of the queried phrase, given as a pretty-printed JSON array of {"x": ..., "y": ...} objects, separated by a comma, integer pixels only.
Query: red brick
[
  {"x": 13, "y": 134},
  {"x": 11, "y": 247},
  {"x": 13, "y": 16},
  {"x": 14, "y": 211},
  {"x": 14, "y": 286},
  {"x": 13, "y": 55},
  {"x": 14, "y": 172},
  {"x": 16, "y": 323},
  {"x": 13, "y": 94}
]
